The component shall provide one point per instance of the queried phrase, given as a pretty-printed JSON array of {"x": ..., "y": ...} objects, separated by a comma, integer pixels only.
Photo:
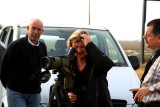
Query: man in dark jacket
[
  {"x": 91, "y": 67},
  {"x": 21, "y": 67}
]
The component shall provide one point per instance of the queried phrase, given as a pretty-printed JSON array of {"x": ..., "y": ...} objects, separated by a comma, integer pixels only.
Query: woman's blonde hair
[{"x": 75, "y": 37}]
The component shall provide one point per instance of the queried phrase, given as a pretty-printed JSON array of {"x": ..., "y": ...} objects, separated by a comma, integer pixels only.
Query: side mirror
[{"x": 134, "y": 61}]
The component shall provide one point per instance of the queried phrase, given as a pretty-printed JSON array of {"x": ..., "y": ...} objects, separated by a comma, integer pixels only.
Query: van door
[{"x": 6, "y": 37}]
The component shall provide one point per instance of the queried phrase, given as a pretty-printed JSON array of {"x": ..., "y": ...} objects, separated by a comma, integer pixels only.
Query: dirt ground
[{"x": 140, "y": 72}]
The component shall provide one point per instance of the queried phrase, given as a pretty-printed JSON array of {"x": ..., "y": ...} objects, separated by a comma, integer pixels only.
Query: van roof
[{"x": 24, "y": 24}]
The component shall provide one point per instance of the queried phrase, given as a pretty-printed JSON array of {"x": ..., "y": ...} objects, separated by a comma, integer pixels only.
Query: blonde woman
[{"x": 91, "y": 67}]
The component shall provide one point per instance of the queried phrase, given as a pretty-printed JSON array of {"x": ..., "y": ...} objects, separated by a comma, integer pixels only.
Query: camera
[{"x": 61, "y": 65}]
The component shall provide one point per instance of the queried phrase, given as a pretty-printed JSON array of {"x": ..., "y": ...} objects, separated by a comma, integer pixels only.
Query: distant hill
[{"x": 133, "y": 45}]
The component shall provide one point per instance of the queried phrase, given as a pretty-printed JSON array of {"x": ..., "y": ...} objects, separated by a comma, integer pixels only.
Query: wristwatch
[{"x": 151, "y": 88}]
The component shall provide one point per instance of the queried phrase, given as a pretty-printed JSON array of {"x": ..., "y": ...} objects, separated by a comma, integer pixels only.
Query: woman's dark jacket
[
  {"x": 98, "y": 93},
  {"x": 21, "y": 66}
]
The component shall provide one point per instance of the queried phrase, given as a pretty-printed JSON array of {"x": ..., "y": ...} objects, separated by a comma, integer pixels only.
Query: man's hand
[
  {"x": 141, "y": 92},
  {"x": 72, "y": 97}
]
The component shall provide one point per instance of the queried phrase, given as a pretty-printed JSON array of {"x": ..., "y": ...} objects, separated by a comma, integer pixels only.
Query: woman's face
[{"x": 80, "y": 49}]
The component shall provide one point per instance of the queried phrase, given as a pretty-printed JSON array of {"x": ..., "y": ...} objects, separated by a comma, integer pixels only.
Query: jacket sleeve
[
  {"x": 6, "y": 65},
  {"x": 98, "y": 58}
]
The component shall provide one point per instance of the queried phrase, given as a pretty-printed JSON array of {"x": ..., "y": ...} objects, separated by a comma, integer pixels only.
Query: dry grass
[{"x": 140, "y": 72}]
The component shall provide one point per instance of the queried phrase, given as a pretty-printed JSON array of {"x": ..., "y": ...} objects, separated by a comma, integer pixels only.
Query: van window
[
  {"x": 56, "y": 39},
  {"x": 106, "y": 43},
  {"x": 10, "y": 37},
  {"x": 4, "y": 34}
]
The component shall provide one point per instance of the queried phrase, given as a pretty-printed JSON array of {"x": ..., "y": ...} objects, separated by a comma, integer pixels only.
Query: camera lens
[{"x": 46, "y": 62}]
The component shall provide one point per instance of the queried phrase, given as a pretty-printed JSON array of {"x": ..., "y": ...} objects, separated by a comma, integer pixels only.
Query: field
[{"x": 134, "y": 48}]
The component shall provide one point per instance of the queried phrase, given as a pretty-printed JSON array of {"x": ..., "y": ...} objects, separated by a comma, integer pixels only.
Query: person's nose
[
  {"x": 36, "y": 30},
  {"x": 79, "y": 49},
  {"x": 144, "y": 36}
]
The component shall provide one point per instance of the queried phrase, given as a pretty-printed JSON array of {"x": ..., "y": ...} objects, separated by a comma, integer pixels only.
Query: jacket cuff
[{"x": 90, "y": 44}]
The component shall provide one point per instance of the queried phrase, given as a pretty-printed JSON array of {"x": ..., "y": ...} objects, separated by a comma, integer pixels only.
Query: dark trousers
[{"x": 151, "y": 104}]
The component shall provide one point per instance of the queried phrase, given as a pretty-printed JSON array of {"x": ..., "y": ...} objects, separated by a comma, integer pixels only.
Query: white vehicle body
[{"x": 120, "y": 78}]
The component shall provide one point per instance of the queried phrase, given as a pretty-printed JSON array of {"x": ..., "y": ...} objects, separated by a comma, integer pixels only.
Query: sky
[{"x": 122, "y": 17}]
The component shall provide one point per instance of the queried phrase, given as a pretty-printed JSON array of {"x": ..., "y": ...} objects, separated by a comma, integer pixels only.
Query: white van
[{"x": 121, "y": 77}]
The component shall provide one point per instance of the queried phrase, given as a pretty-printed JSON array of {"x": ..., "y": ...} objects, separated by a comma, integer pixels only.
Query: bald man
[{"x": 21, "y": 67}]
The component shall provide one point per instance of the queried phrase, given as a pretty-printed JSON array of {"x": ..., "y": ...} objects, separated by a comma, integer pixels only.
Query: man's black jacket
[{"x": 21, "y": 66}]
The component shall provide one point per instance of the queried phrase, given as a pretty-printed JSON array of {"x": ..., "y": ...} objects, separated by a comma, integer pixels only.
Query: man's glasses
[{"x": 34, "y": 28}]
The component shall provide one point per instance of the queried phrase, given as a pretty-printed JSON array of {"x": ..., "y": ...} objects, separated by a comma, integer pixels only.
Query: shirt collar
[
  {"x": 155, "y": 51},
  {"x": 32, "y": 43}
]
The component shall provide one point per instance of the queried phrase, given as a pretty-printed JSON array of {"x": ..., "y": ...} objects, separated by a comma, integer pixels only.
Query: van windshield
[{"x": 55, "y": 39}]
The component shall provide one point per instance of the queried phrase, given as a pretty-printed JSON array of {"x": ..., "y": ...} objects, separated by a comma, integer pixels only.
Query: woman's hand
[
  {"x": 72, "y": 97},
  {"x": 86, "y": 39}
]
